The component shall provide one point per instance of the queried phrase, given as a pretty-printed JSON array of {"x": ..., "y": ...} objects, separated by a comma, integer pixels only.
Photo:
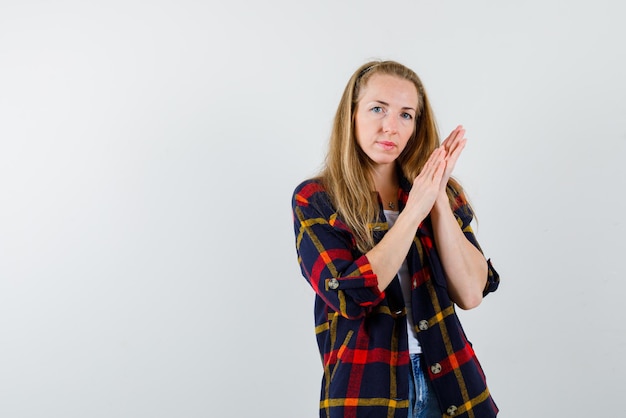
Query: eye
[
  {"x": 406, "y": 116},
  {"x": 376, "y": 109}
]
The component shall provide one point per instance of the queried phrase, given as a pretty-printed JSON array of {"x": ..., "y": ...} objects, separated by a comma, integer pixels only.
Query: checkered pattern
[{"x": 362, "y": 332}]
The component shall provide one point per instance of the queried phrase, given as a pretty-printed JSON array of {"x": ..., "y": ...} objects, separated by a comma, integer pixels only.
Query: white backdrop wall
[{"x": 148, "y": 151}]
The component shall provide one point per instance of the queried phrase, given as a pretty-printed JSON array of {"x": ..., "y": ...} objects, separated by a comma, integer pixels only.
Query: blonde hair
[{"x": 346, "y": 173}]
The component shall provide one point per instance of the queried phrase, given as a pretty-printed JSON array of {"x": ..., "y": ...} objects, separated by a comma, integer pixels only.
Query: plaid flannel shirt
[{"x": 362, "y": 332}]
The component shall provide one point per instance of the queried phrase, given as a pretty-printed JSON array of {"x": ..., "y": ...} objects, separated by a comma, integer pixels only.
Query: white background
[{"x": 148, "y": 152}]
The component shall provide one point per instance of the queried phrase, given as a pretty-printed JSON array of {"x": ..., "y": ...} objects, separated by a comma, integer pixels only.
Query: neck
[
  {"x": 386, "y": 184},
  {"x": 384, "y": 177}
]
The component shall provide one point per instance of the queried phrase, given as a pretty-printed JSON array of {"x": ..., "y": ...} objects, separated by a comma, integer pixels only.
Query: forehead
[{"x": 386, "y": 88}]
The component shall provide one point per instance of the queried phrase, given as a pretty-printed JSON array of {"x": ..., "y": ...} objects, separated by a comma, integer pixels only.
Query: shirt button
[
  {"x": 452, "y": 410},
  {"x": 423, "y": 325},
  {"x": 333, "y": 284},
  {"x": 435, "y": 368}
]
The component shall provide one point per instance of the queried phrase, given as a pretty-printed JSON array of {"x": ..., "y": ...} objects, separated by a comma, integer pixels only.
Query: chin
[{"x": 385, "y": 161}]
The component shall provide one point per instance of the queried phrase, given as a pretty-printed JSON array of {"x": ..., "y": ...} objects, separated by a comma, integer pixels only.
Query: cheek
[
  {"x": 361, "y": 131},
  {"x": 408, "y": 126},
  {"x": 406, "y": 138},
  {"x": 357, "y": 133},
  {"x": 366, "y": 127},
  {"x": 408, "y": 131}
]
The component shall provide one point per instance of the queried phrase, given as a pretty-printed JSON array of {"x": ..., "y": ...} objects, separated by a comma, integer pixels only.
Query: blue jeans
[{"x": 422, "y": 400}]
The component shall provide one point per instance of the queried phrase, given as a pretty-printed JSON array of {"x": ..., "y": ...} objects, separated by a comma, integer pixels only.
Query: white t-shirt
[{"x": 405, "y": 282}]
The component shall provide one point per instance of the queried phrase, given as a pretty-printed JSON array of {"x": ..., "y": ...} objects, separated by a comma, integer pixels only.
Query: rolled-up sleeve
[{"x": 325, "y": 251}]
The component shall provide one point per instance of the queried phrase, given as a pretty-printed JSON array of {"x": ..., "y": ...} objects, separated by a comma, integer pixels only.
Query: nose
[{"x": 390, "y": 125}]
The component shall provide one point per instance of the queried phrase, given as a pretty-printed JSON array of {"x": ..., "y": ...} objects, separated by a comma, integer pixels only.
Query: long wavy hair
[{"x": 346, "y": 173}]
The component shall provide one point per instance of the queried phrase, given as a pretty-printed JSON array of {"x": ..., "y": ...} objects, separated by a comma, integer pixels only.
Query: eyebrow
[{"x": 387, "y": 104}]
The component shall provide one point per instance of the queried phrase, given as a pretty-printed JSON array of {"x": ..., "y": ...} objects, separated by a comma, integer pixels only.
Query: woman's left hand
[{"x": 453, "y": 144}]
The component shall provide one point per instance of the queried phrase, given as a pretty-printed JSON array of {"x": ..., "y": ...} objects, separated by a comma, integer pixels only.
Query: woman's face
[{"x": 385, "y": 117}]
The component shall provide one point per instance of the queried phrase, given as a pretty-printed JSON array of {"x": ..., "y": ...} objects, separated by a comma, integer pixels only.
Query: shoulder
[
  {"x": 310, "y": 186},
  {"x": 311, "y": 197},
  {"x": 308, "y": 192}
]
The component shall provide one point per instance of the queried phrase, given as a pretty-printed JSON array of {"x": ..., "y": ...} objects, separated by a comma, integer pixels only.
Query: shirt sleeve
[
  {"x": 464, "y": 215},
  {"x": 326, "y": 254}
]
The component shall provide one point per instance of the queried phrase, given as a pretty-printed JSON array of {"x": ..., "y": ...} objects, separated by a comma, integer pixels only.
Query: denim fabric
[{"x": 422, "y": 400}]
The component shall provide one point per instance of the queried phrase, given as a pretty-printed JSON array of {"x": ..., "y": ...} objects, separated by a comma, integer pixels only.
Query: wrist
[
  {"x": 442, "y": 203},
  {"x": 442, "y": 198},
  {"x": 412, "y": 217}
]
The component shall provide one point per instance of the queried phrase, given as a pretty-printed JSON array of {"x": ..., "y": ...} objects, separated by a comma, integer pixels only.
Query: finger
[
  {"x": 438, "y": 164},
  {"x": 459, "y": 134},
  {"x": 436, "y": 158},
  {"x": 456, "y": 133},
  {"x": 458, "y": 145},
  {"x": 456, "y": 152},
  {"x": 452, "y": 159},
  {"x": 439, "y": 172},
  {"x": 456, "y": 141}
]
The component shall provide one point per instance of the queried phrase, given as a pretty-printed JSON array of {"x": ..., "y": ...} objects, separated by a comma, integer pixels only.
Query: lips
[{"x": 387, "y": 145}]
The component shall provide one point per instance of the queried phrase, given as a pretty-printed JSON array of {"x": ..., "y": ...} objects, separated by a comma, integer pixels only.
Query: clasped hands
[{"x": 430, "y": 185}]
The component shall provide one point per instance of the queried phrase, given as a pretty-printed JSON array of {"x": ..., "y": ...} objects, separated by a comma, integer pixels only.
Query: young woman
[{"x": 383, "y": 237}]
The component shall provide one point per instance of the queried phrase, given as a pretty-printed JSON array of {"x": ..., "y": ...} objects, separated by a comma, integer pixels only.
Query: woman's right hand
[{"x": 427, "y": 185}]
